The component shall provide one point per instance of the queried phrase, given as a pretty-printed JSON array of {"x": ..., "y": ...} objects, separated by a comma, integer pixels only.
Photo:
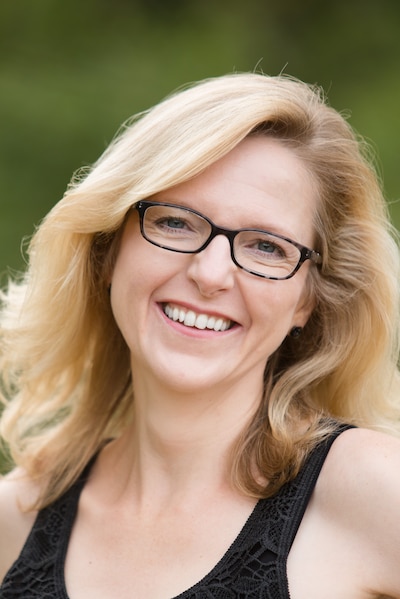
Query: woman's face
[{"x": 260, "y": 184}]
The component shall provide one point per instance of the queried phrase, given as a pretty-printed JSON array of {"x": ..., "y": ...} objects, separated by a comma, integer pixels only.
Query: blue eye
[
  {"x": 262, "y": 248},
  {"x": 173, "y": 223},
  {"x": 270, "y": 248}
]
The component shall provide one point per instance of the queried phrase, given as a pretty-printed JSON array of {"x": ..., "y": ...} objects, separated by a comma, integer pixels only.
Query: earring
[{"x": 296, "y": 332}]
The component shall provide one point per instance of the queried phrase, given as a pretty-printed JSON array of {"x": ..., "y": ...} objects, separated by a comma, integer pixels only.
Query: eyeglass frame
[{"x": 305, "y": 252}]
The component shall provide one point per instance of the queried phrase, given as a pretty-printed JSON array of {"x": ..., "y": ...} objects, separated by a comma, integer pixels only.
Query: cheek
[
  {"x": 133, "y": 262},
  {"x": 128, "y": 269},
  {"x": 140, "y": 269},
  {"x": 282, "y": 305}
]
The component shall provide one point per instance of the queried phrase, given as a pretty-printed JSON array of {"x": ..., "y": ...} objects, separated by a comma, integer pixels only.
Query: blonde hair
[{"x": 64, "y": 364}]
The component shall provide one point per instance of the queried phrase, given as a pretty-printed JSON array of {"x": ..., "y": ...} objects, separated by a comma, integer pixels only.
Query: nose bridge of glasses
[{"x": 217, "y": 231}]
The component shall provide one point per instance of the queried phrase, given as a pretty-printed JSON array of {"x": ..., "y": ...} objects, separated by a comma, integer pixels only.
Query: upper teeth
[{"x": 200, "y": 321}]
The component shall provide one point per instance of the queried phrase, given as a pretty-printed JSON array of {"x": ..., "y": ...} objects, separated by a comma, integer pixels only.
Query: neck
[{"x": 180, "y": 443}]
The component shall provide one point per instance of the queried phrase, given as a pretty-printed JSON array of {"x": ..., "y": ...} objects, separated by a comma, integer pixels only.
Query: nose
[{"x": 212, "y": 269}]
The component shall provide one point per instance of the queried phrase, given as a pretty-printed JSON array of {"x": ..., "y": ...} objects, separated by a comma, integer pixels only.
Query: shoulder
[
  {"x": 359, "y": 456},
  {"x": 16, "y": 494},
  {"x": 362, "y": 464}
]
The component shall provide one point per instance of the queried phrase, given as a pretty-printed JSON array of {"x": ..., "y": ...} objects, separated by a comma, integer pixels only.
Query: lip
[{"x": 198, "y": 311}]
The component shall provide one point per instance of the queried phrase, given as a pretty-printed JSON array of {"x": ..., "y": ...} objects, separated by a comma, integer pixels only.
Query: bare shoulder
[
  {"x": 361, "y": 464},
  {"x": 16, "y": 493},
  {"x": 358, "y": 456}
]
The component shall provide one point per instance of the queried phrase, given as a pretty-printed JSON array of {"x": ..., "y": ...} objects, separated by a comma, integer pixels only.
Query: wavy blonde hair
[{"x": 66, "y": 378}]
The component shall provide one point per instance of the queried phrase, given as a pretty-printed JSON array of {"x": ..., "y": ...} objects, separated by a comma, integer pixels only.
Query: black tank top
[{"x": 254, "y": 567}]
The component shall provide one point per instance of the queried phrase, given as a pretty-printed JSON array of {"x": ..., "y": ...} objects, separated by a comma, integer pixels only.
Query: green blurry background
[{"x": 71, "y": 71}]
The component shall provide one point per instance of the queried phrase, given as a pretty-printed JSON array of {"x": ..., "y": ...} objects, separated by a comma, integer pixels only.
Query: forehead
[{"x": 260, "y": 183}]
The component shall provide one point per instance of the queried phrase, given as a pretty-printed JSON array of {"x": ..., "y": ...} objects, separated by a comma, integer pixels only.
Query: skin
[{"x": 158, "y": 494}]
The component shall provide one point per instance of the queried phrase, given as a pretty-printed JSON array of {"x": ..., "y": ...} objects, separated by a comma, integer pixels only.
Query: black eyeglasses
[{"x": 258, "y": 252}]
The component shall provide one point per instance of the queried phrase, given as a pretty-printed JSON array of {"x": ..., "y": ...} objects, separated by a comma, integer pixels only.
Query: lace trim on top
[{"x": 254, "y": 567}]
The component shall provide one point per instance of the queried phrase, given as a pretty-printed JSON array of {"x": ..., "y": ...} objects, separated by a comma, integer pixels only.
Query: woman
[{"x": 197, "y": 358}]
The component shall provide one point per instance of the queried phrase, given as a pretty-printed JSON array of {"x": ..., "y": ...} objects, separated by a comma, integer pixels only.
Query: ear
[
  {"x": 305, "y": 306},
  {"x": 110, "y": 253}
]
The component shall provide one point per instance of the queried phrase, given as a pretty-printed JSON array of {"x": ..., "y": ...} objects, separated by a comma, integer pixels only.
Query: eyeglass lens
[{"x": 182, "y": 230}]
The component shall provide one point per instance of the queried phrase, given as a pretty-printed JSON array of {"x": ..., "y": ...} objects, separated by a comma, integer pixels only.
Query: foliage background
[{"x": 72, "y": 71}]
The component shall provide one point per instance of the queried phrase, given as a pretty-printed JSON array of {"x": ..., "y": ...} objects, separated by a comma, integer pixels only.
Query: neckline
[
  {"x": 73, "y": 504},
  {"x": 307, "y": 475},
  {"x": 226, "y": 556}
]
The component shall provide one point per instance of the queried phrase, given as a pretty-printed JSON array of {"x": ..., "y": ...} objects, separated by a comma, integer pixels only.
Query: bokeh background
[{"x": 71, "y": 71}]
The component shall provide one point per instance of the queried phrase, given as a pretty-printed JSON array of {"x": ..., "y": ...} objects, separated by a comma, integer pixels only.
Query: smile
[{"x": 198, "y": 321}]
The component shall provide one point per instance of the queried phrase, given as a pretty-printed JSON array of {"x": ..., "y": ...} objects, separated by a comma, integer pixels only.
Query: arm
[
  {"x": 361, "y": 490},
  {"x": 348, "y": 544}
]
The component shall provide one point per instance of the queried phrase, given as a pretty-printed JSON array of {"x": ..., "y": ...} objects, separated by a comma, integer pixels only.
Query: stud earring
[{"x": 296, "y": 332}]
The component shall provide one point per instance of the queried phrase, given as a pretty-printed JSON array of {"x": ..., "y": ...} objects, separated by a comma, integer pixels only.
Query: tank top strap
[
  {"x": 38, "y": 571},
  {"x": 296, "y": 495}
]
